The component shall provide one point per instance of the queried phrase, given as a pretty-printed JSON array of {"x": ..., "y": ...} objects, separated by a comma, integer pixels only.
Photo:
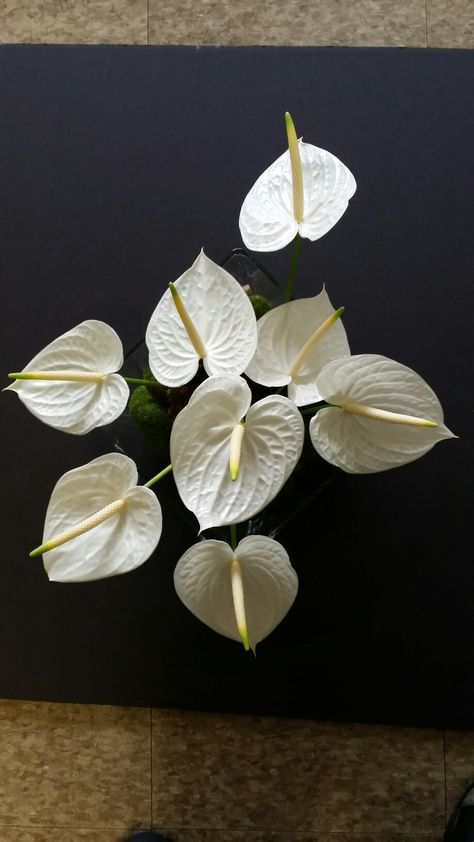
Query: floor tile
[
  {"x": 202, "y": 835},
  {"x": 61, "y": 834},
  {"x": 332, "y": 22},
  {"x": 459, "y": 765},
  {"x": 85, "y": 766},
  {"x": 239, "y": 773},
  {"x": 450, "y": 24},
  {"x": 187, "y": 22},
  {"x": 74, "y": 21}
]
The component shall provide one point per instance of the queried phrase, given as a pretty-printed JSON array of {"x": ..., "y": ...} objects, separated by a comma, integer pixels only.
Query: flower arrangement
[{"x": 230, "y": 456}]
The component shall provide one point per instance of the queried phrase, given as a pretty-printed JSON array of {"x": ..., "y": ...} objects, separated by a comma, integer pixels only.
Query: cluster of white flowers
[{"x": 229, "y": 457}]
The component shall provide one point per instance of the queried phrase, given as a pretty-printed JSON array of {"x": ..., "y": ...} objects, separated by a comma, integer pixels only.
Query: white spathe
[
  {"x": 202, "y": 580},
  {"x": 77, "y": 407},
  {"x": 267, "y": 221},
  {"x": 222, "y": 315},
  {"x": 121, "y": 543},
  {"x": 281, "y": 334},
  {"x": 200, "y": 450},
  {"x": 363, "y": 445}
]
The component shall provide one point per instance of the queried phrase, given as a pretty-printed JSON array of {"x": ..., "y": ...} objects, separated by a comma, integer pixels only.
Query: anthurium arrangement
[{"x": 230, "y": 455}]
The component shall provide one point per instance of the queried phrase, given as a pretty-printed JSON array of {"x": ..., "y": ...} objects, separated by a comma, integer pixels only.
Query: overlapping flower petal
[
  {"x": 222, "y": 315},
  {"x": 77, "y": 407},
  {"x": 203, "y": 582},
  {"x": 267, "y": 222},
  {"x": 200, "y": 448},
  {"x": 119, "y": 544},
  {"x": 359, "y": 444},
  {"x": 282, "y": 332}
]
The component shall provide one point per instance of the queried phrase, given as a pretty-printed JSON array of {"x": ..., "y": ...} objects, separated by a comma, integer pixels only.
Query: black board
[{"x": 117, "y": 164}]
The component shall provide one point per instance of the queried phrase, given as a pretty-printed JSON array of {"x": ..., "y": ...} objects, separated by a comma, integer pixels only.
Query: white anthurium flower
[
  {"x": 383, "y": 415},
  {"x": 229, "y": 458},
  {"x": 295, "y": 341},
  {"x": 305, "y": 191},
  {"x": 204, "y": 315},
  {"x": 241, "y": 594},
  {"x": 71, "y": 384},
  {"x": 99, "y": 523}
]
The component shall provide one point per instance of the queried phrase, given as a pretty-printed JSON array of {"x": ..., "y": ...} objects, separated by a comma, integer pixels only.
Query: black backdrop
[{"x": 117, "y": 164}]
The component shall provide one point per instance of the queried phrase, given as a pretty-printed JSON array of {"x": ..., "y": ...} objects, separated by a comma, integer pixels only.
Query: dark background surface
[{"x": 117, "y": 164}]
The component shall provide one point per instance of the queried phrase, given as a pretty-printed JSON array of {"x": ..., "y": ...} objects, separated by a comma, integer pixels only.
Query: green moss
[
  {"x": 148, "y": 408},
  {"x": 260, "y": 305}
]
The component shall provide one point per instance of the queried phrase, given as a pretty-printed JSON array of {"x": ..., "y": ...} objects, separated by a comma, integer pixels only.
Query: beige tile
[
  {"x": 188, "y": 21},
  {"x": 459, "y": 765},
  {"x": 85, "y": 766},
  {"x": 450, "y": 24},
  {"x": 331, "y": 22},
  {"x": 238, "y": 773},
  {"x": 73, "y": 21},
  {"x": 52, "y": 834},
  {"x": 200, "y": 835}
]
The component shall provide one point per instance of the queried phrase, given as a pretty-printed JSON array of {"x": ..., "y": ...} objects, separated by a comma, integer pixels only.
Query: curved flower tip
[
  {"x": 71, "y": 384},
  {"x": 204, "y": 315},
  {"x": 242, "y": 594},
  {"x": 383, "y": 415},
  {"x": 306, "y": 191},
  {"x": 99, "y": 523},
  {"x": 226, "y": 468},
  {"x": 295, "y": 342}
]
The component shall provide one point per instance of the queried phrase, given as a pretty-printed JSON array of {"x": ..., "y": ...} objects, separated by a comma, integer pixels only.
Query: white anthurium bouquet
[{"x": 230, "y": 456}]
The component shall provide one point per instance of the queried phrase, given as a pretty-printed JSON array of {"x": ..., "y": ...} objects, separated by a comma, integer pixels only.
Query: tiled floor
[{"x": 71, "y": 773}]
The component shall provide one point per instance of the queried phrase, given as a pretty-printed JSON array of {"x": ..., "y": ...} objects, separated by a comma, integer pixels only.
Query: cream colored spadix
[
  {"x": 296, "y": 171},
  {"x": 239, "y": 601},
  {"x": 383, "y": 415},
  {"x": 236, "y": 439},
  {"x": 267, "y": 585},
  {"x": 295, "y": 341},
  {"x": 65, "y": 376},
  {"x": 71, "y": 384},
  {"x": 211, "y": 319},
  {"x": 188, "y": 323},
  {"x": 201, "y": 442},
  {"x": 305, "y": 191},
  {"x": 99, "y": 523},
  {"x": 80, "y": 528}
]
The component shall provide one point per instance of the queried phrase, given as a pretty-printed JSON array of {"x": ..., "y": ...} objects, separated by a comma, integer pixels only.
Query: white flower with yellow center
[
  {"x": 305, "y": 191},
  {"x": 295, "y": 341},
  {"x": 99, "y": 523},
  {"x": 205, "y": 315},
  {"x": 243, "y": 593},
  {"x": 230, "y": 459},
  {"x": 71, "y": 384},
  {"x": 383, "y": 415}
]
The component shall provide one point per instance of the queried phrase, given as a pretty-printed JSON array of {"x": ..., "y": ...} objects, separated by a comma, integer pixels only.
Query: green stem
[
  {"x": 139, "y": 382},
  {"x": 293, "y": 267},
  {"x": 158, "y": 476},
  {"x": 233, "y": 535}
]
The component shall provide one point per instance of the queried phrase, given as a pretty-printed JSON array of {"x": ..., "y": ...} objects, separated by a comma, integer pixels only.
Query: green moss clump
[
  {"x": 151, "y": 416},
  {"x": 260, "y": 305}
]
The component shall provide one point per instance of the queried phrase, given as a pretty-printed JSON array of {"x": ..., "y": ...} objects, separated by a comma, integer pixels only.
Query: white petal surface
[
  {"x": 266, "y": 219},
  {"x": 282, "y": 332},
  {"x": 224, "y": 319},
  {"x": 200, "y": 449},
  {"x": 121, "y": 543},
  {"x": 366, "y": 445},
  {"x": 77, "y": 407},
  {"x": 203, "y": 582}
]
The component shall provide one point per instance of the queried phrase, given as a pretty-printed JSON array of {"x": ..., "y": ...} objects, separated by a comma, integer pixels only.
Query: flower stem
[
  {"x": 293, "y": 267},
  {"x": 138, "y": 382},
  {"x": 233, "y": 535},
  {"x": 158, "y": 476},
  {"x": 312, "y": 410}
]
